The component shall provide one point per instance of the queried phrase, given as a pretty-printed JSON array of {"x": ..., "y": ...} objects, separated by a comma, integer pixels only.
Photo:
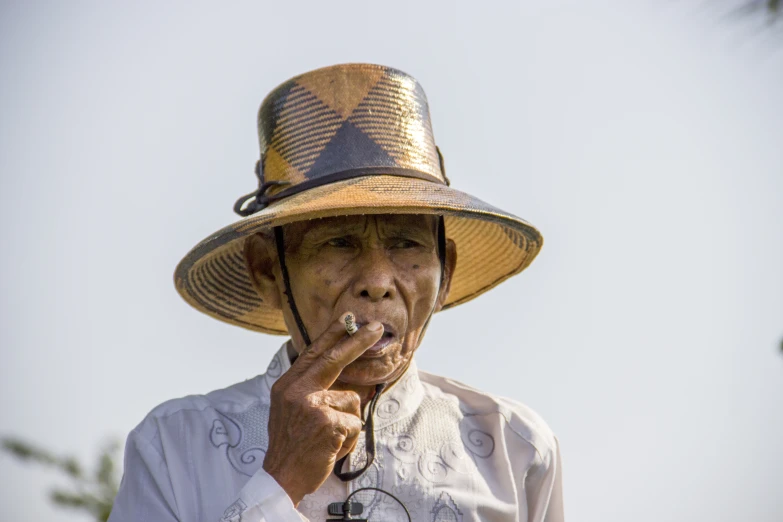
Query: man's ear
[
  {"x": 451, "y": 264},
  {"x": 261, "y": 262}
]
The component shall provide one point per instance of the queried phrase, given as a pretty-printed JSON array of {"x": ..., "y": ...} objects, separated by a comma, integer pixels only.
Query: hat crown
[{"x": 345, "y": 121}]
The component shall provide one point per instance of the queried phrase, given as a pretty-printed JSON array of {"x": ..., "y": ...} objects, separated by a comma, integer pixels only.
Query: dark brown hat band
[{"x": 258, "y": 200}]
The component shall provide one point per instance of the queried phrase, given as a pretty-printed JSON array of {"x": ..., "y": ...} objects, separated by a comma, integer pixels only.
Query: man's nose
[{"x": 375, "y": 281}]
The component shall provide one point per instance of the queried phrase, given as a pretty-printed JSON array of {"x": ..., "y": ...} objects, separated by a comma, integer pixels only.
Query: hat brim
[{"x": 492, "y": 245}]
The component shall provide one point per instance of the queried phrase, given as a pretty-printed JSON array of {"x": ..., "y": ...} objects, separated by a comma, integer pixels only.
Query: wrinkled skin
[{"x": 384, "y": 270}]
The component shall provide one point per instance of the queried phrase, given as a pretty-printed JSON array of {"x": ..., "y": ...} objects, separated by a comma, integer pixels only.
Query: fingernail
[{"x": 374, "y": 326}]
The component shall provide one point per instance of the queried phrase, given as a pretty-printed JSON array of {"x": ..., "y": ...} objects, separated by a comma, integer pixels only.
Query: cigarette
[{"x": 350, "y": 325}]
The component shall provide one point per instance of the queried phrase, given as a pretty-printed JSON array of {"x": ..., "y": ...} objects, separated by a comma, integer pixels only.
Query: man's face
[{"x": 382, "y": 268}]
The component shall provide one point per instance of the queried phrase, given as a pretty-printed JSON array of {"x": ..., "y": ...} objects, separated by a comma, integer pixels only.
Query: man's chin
[
  {"x": 372, "y": 371},
  {"x": 368, "y": 372}
]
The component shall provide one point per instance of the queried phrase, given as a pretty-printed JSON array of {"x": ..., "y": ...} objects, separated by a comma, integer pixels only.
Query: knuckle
[
  {"x": 336, "y": 444},
  {"x": 309, "y": 353},
  {"x": 330, "y": 357},
  {"x": 339, "y": 435},
  {"x": 356, "y": 427},
  {"x": 354, "y": 400},
  {"x": 313, "y": 401},
  {"x": 322, "y": 417},
  {"x": 340, "y": 430}
]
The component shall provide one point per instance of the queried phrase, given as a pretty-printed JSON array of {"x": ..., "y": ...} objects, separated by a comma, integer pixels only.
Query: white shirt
[{"x": 447, "y": 451}]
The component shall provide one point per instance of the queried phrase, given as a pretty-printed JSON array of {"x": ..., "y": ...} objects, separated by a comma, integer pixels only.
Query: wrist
[{"x": 288, "y": 484}]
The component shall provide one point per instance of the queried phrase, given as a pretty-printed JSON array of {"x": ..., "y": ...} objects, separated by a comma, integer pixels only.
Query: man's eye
[
  {"x": 405, "y": 243},
  {"x": 339, "y": 242}
]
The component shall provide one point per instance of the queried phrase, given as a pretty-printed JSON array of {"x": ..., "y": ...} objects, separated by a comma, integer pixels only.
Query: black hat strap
[
  {"x": 369, "y": 436},
  {"x": 287, "y": 282}
]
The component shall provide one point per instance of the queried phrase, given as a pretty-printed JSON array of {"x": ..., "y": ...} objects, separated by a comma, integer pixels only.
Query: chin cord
[
  {"x": 347, "y": 508},
  {"x": 369, "y": 435},
  {"x": 287, "y": 282},
  {"x": 442, "y": 257}
]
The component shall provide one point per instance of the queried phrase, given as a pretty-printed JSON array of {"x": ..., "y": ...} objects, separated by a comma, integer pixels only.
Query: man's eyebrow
[
  {"x": 328, "y": 228},
  {"x": 395, "y": 228},
  {"x": 407, "y": 230}
]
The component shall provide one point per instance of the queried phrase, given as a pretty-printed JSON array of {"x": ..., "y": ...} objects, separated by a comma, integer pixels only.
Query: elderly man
[{"x": 353, "y": 240}]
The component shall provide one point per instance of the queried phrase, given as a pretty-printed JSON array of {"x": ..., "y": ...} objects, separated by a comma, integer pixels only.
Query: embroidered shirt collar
[{"x": 398, "y": 401}]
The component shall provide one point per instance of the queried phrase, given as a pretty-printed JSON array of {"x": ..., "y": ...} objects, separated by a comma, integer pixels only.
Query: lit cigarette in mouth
[{"x": 350, "y": 325}]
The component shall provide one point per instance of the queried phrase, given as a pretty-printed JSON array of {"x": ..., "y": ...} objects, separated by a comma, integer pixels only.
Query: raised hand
[{"x": 311, "y": 426}]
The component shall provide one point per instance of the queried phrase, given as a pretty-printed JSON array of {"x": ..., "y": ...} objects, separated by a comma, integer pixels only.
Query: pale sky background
[{"x": 643, "y": 138}]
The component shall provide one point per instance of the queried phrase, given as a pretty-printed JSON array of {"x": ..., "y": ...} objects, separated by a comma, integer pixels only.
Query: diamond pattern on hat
[
  {"x": 341, "y": 90},
  {"x": 399, "y": 127},
  {"x": 276, "y": 168},
  {"x": 267, "y": 114},
  {"x": 350, "y": 149},
  {"x": 303, "y": 127},
  {"x": 388, "y": 115}
]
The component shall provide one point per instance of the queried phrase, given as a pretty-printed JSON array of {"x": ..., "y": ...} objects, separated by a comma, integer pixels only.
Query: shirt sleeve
[
  {"x": 544, "y": 488},
  {"x": 262, "y": 500},
  {"x": 146, "y": 493}
]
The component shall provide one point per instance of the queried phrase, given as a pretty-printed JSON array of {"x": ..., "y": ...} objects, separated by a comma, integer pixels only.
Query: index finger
[
  {"x": 327, "y": 367},
  {"x": 333, "y": 334}
]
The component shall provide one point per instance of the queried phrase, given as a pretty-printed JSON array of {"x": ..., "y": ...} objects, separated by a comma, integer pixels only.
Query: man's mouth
[{"x": 386, "y": 340}]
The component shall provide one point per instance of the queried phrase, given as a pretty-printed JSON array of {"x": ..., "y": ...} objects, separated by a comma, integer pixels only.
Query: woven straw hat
[{"x": 346, "y": 140}]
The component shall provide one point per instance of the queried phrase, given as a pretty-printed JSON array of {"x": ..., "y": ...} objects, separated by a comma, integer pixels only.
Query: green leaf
[{"x": 94, "y": 493}]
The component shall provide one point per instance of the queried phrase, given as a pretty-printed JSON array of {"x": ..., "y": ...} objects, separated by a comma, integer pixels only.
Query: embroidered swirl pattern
[
  {"x": 480, "y": 443},
  {"x": 403, "y": 449},
  {"x": 244, "y": 436},
  {"x": 433, "y": 468},
  {"x": 453, "y": 454}
]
